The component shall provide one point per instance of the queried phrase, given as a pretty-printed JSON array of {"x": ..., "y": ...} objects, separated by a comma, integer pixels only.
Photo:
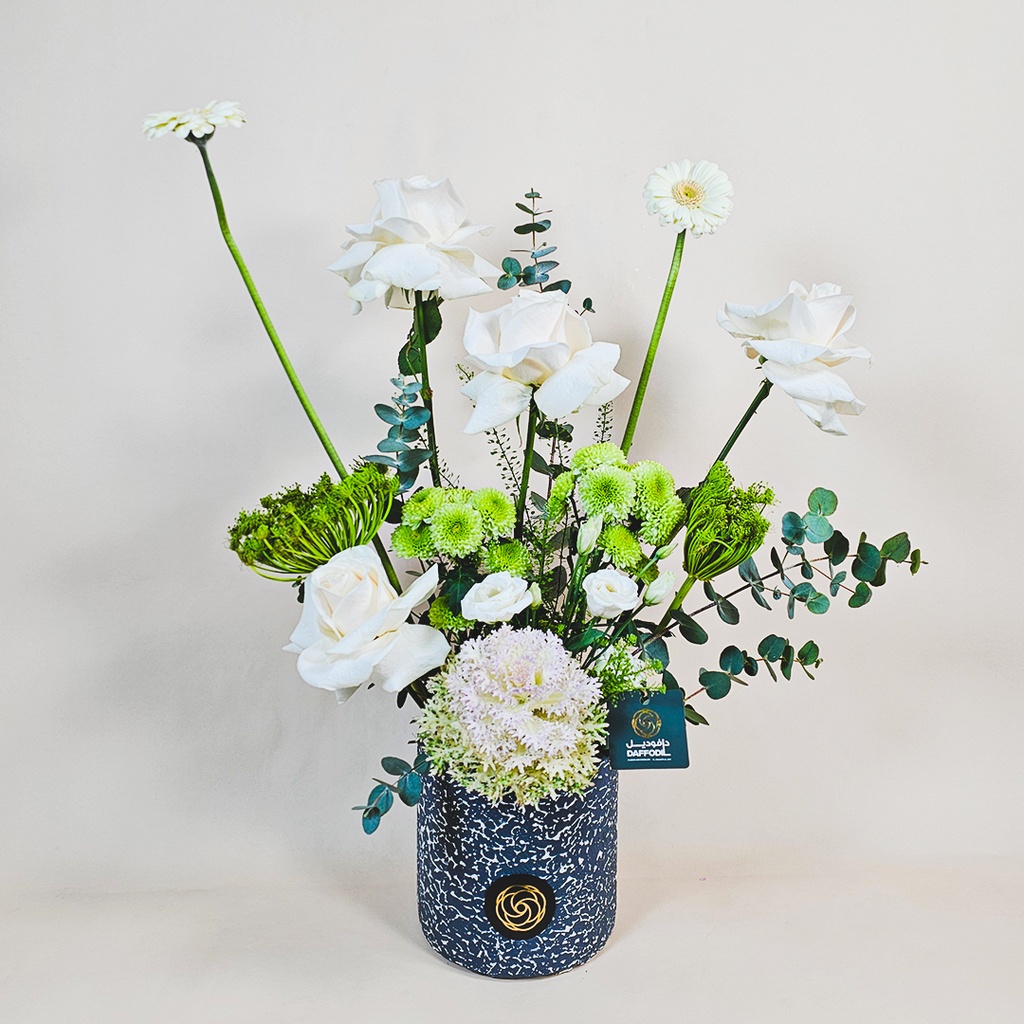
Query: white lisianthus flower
[
  {"x": 586, "y": 538},
  {"x": 610, "y": 593},
  {"x": 415, "y": 242},
  {"x": 689, "y": 196},
  {"x": 496, "y": 598},
  {"x": 353, "y": 627},
  {"x": 199, "y": 121},
  {"x": 663, "y": 585},
  {"x": 800, "y": 337},
  {"x": 536, "y": 341}
]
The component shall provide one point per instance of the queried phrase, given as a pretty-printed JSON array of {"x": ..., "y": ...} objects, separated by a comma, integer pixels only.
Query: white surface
[
  {"x": 773, "y": 938},
  {"x": 152, "y": 735}
]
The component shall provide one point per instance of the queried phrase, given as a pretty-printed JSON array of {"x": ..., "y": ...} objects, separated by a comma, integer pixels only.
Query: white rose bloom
[
  {"x": 610, "y": 593},
  {"x": 801, "y": 337},
  {"x": 415, "y": 241},
  {"x": 497, "y": 598},
  {"x": 536, "y": 341},
  {"x": 353, "y": 627}
]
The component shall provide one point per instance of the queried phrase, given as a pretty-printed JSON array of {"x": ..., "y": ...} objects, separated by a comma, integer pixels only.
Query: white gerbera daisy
[
  {"x": 198, "y": 122},
  {"x": 689, "y": 196}
]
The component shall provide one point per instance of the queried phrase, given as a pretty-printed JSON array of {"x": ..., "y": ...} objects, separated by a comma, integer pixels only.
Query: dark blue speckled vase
[{"x": 517, "y": 892}]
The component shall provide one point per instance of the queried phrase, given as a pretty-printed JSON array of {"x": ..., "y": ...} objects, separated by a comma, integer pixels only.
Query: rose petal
[{"x": 498, "y": 400}]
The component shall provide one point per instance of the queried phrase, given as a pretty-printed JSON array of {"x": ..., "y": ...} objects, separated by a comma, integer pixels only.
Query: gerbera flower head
[
  {"x": 197, "y": 122},
  {"x": 689, "y": 196}
]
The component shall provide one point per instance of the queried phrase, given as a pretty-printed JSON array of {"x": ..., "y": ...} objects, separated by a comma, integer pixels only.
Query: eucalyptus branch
[
  {"x": 652, "y": 346},
  {"x": 275, "y": 340}
]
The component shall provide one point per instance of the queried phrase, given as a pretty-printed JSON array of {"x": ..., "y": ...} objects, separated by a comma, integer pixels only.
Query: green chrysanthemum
[
  {"x": 661, "y": 523},
  {"x": 558, "y": 499},
  {"x": 442, "y": 617},
  {"x": 654, "y": 486},
  {"x": 594, "y": 455},
  {"x": 621, "y": 671},
  {"x": 407, "y": 542},
  {"x": 621, "y": 546},
  {"x": 512, "y": 557},
  {"x": 456, "y": 495},
  {"x": 497, "y": 510},
  {"x": 457, "y": 530},
  {"x": 607, "y": 491},
  {"x": 421, "y": 505},
  {"x": 725, "y": 526}
]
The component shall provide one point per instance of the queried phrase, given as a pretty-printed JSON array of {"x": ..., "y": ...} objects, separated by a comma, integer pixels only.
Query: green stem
[
  {"x": 762, "y": 394},
  {"x": 300, "y": 391},
  {"x": 676, "y": 603},
  {"x": 652, "y": 347},
  {"x": 425, "y": 392},
  {"x": 524, "y": 486}
]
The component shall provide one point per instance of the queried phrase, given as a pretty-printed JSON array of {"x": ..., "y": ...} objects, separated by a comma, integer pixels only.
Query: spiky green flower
[
  {"x": 661, "y": 523},
  {"x": 408, "y": 542},
  {"x": 607, "y": 491},
  {"x": 558, "y": 499},
  {"x": 594, "y": 455},
  {"x": 497, "y": 510},
  {"x": 457, "y": 529},
  {"x": 654, "y": 486},
  {"x": 725, "y": 525},
  {"x": 421, "y": 505},
  {"x": 442, "y": 617},
  {"x": 621, "y": 547},
  {"x": 511, "y": 557},
  {"x": 297, "y": 530}
]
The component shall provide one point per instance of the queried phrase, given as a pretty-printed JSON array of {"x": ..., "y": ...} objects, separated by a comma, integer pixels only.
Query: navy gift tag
[{"x": 647, "y": 730}]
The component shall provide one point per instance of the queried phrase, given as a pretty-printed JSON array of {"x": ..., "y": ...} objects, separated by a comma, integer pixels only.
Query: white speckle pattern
[{"x": 464, "y": 842}]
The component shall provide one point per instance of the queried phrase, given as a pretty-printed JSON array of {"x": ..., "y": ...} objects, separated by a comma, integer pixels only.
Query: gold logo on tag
[
  {"x": 646, "y": 723},
  {"x": 520, "y": 908}
]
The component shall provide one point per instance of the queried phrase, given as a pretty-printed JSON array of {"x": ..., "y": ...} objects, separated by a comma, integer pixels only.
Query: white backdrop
[{"x": 153, "y": 733}]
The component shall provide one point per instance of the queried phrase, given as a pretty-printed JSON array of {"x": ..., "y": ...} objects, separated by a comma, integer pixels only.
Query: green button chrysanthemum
[
  {"x": 457, "y": 530},
  {"x": 558, "y": 499},
  {"x": 512, "y": 557},
  {"x": 407, "y": 542},
  {"x": 442, "y": 617},
  {"x": 421, "y": 505},
  {"x": 654, "y": 486},
  {"x": 621, "y": 547},
  {"x": 661, "y": 524},
  {"x": 497, "y": 510},
  {"x": 594, "y": 455},
  {"x": 607, "y": 491}
]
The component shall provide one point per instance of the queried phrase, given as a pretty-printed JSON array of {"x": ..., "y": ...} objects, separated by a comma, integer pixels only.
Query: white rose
[
  {"x": 496, "y": 598},
  {"x": 662, "y": 586},
  {"x": 610, "y": 593},
  {"x": 536, "y": 341},
  {"x": 801, "y": 338},
  {"x": 414, "y": 242},
  {"x": 353, "y": 627}
]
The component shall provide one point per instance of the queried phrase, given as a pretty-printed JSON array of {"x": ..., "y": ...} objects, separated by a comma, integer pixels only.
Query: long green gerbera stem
[
  {"x": 652, "y": 347},
  {"x": 282, "y": 355}
]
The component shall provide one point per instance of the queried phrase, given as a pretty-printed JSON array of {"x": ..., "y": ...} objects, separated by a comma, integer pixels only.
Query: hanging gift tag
[{"x": 647, "y": 730}]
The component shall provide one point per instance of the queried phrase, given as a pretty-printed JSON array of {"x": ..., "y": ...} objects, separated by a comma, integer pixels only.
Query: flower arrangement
[{"x": 533, "y": 607}]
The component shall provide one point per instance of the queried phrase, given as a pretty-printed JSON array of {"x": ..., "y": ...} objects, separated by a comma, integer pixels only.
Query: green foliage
[
  {"x": 408, "y": 789},
  {"x": 404, "y": 449},
  {"x": 537, "y": 273},
  {"x": 296, "y": 530}
]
